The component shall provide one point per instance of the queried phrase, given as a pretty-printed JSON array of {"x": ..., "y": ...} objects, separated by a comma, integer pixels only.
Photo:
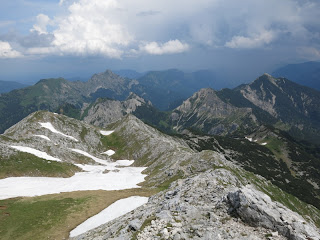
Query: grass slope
[
  {"x": 54, "y": 216},
  {"x": 25, "y": 164}
]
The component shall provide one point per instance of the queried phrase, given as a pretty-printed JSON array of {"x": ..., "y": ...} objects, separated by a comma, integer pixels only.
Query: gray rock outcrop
[
  {"x": 257, "y": 209},
  {"x": 199, "y": 208}
]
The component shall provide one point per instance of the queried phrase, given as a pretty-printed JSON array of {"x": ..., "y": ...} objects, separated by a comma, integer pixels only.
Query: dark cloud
[{"x": 34, "y": 39}]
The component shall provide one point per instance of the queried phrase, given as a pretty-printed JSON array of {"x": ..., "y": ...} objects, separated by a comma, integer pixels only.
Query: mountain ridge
[{"x": 187, "y": 176}]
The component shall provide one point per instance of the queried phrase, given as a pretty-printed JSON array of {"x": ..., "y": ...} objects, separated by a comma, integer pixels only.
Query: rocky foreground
[{"x": 212, "y": 205}]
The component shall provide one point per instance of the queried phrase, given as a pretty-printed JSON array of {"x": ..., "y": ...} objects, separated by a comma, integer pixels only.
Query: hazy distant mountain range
[
  {"x": 307, "y": 74},
  {"x": 267, "y": 100},
  {"x": 7, "y": 86}
]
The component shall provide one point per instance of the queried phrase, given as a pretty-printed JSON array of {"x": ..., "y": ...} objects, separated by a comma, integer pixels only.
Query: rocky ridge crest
[{"x": 201, "y": 207}]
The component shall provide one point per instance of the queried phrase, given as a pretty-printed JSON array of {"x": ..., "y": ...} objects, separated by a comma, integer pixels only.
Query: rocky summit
[{"x": 211, "y": 205}]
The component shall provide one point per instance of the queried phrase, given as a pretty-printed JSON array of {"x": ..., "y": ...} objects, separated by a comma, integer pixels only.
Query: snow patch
[
  {"x": 109, "y": 152},
  {"x": 52, "y": 129},
  {"x": 36, "y": 152},
  {"x": 115, "y": 210},
  {"x": 263, "y": 144},
  {"x": 98, "y": 160},
  {"x": 43, "y": 136},
  {"x": 106, "y": 133},
  {"x": 108, "y": 165},
  {"x": 249, "y": 139}
]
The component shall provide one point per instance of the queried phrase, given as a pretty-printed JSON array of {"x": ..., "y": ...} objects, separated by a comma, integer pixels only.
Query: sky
[{"x": 239, "y": 40}]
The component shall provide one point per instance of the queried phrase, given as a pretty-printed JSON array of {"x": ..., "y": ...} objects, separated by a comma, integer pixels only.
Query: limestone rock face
[
  {"x": 73, "y": 134},
  {"x": 205, "y": 111},
  {"x": 105, "y": 111},
  {"x": 257, "y": 209},
  {"x": 293, "y": 104}
]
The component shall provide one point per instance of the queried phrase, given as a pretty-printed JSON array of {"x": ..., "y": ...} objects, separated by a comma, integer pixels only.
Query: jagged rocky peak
[
  {"x": 266, "y": 79},
  {"x": 205, "y": 111},
  {"x": 204, "y": 100},
  {"x": 108, "y": 73},
  {"x": 114, "y": 85},
  {"x": 105, "y": 111},
  {"x": 105, "y": 77},
  {"x": 263, "y": 79}
]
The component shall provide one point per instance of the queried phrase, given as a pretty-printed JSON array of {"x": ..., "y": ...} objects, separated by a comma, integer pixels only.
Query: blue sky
[{"x": 237, "y": 39}]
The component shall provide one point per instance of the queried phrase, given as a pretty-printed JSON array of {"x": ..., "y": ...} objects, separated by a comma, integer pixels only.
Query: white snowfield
[
  {"x": 115, "y": 210},
  {"x": 96, "y": 177},
  {"x": 106, "y": 133},
  {"x": 109, "y": 152},
  {"x": 43, "y": 136},
  {"x": 36, "y": 152},
  {"x": 49, "y": 126},
  {"x": 263, "y": 144}
]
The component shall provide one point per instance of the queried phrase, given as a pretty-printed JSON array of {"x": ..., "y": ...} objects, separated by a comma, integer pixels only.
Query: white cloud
[
  {"x": 6, "y": 51},
  {"x": 123, "y": 28},
  {"x": 41, "y": 50},
  {"x": 170, "y": 47},
  {"x": 41, "y": 25},
  {"x": 256, "y": 41},
  {"x": 89, "y": 30}
]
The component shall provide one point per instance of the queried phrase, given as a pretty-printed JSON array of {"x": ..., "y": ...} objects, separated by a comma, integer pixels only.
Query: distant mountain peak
[
  {"x": 105, "y": 74},
  {"x": 205, "y": 111},
  {"x": 206, "y": 91},
  {"x": 266, "y": 78},
  {"x": 267, "y": 75}
]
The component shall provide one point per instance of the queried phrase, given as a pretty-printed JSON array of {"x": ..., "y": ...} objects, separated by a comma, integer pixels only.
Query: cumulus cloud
[
  {"x": 41, "y": 50},
  {"x": 256, "y": 41},
  {"x": 6, "y": 51},
  {"x": 41, "y": 25},
  {"x": 170, "y": 47},
  {"x": 88, "y": 29}
]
